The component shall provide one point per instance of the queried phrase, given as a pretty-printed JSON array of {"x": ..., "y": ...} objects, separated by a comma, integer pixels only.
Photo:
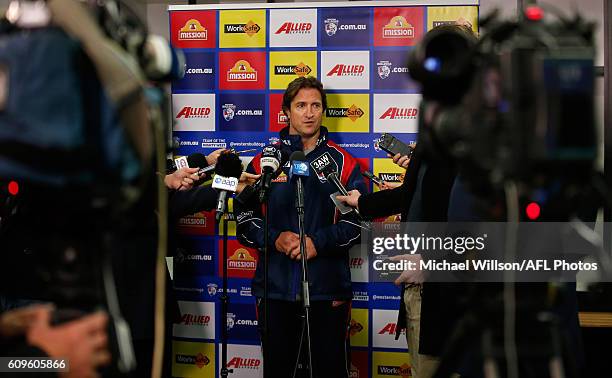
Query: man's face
[{"x": 306, "y": 113}]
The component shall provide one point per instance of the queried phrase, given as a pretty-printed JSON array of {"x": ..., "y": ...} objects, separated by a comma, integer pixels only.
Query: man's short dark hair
[{"x": 302, "y": 82}]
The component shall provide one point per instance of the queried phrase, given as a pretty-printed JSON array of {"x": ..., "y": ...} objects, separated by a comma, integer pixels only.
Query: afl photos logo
[
  {"x": 242, "y": 71},
  {"x": 193, "y": 31}
]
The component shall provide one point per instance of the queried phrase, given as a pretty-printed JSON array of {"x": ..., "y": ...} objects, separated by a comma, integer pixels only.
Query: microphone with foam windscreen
[
  {"x": 297, "y": 171},
  {"x": 229, "y": 168},
  {"x": 272, "y": 160},
  {"x": 269, "y": 171}
]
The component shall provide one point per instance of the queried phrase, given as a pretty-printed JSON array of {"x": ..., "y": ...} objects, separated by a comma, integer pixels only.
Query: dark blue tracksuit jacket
[{"x": 331, "y": 233}]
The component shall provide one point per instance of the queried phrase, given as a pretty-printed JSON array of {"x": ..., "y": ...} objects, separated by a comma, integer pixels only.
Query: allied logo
[
  {"x": 244, "y": 363},
  {"x": 193, "y": 112},
  {"x": 353, "y": 112},
  {"x": 294, "y": 28},
  {"x": 347, "y": 70},
  {"x": 193, "y": 31},
  {"x": 229, "y": 110},
  {"x": 331, "y": 26},
  {"x": 242, "y": 259},
  {"x": 383, "y": 69},
  {"x": 242, "y": 71},
  {"x": 193, "y": 319},
  {"x": 395, "y": 112},
  {"x": 398, "y": 27},
  {"x": 250, "y": 28}
]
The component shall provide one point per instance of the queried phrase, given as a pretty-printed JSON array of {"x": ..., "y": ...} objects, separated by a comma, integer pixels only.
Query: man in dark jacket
[{"x": 329, "y": 235}]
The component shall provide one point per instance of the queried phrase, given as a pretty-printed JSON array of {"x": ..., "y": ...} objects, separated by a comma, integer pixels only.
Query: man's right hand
[
  {"x": 82, "y": 342},
  {"x": 287, "y": 241}
]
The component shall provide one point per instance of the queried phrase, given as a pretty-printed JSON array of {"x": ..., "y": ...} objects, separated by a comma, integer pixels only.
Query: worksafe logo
[
  {"x": 193, "y": 31},
  {"x": 197, "y": 320},
  {"x": 391, "y": 177},
  {"x": 293, "y": 28},
  {"x": 358, "y": 327},
  {"x": 353, "y": 112},
  {"x": 462, "y": 15},
  {"x": 242, "y": 28},
  {"x": 250, "y": 28},
  {"x": 347, "y": 113},
  {"x": 193, "y": 359},
  {"x": 396, "y": 113},
  {"x": 194, "y": 112},
  {"x": 285, "y": 66},
  {"x": 242, "y": 71},
  {"x": 398, "y": 27},
  {"x": 345, "y": 69},
  {"x": 300, "y": 70},
  {"x": 394, "y": 364}
]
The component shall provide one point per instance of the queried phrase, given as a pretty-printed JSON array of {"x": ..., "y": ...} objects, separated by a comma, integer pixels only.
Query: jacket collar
[{"x": 294, "y": 142}]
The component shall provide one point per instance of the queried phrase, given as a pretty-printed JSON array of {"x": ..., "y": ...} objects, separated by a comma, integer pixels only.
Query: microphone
[
  {"x": 328, "y": 171},
  {"x": 229, "y": 168},
  {"x": 297, "y": 171},
  {"x": 271, "y": 162},
  {"x": 199, "y": 160},
  {"x": 245, "y": 195}
]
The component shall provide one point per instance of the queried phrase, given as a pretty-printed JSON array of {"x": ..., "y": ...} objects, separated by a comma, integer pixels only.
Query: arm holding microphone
[
  {"x": 388, "y": 202},
  {"x": 346, "y": 229}
]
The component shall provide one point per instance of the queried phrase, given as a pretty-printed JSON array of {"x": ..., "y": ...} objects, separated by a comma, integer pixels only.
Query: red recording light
[
  {"x": 534, "y": 13},
  {"x": 533, "y": 211},
  {"x": 13, "y": 188}
]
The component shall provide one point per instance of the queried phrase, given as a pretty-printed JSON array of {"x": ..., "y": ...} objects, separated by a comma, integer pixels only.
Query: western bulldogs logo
[
  {"x": 231, "y": 320},
  {"x": 376, "y": 146},
  {"x": 383, "y": 69},
  {"x": 212, "y": 289},
  {"x": 331, "y": 26},
  {"x": 229, "y": 110}
]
